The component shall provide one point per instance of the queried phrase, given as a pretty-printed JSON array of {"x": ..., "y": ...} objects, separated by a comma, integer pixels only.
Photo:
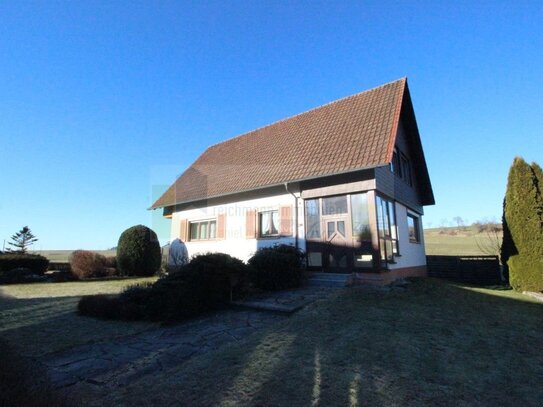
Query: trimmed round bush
[
  {"x": 277, "y": 268},
  {"x": 138, "y": 252}
]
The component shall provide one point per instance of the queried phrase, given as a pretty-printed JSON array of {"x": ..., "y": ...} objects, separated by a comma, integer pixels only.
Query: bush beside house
[
  {"x": 138, "y": 252},
  {"x": 207, "y": 283},
  {"x": 277, "y": 268}
]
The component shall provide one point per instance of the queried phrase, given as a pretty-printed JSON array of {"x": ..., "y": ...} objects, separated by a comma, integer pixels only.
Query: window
[
  {"x": 203, "y": 230},
  {"x": 386, "y": 226},
  {"x": 401, "y": 166},
  {"x": 406, "y": 169},
  {"x": 335, "y": 205},
  {"x": 360, "y": 217},
  {"x": 395, "y": 164},
  {"x": 268, "y": 223},
  {"x": 312, "y": 219},
  {"x": 413, "y": 227}
]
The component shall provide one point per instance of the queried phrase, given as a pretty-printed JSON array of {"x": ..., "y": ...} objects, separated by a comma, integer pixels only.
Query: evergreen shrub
[
  {"x": 138, "y": 252},
  {"x": 277, "y": 268}
]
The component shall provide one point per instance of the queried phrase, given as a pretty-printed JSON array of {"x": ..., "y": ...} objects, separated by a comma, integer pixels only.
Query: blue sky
[{"x": 103, "y": 104}]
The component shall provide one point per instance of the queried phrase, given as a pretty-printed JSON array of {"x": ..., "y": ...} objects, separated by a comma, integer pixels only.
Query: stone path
[
  {"x": 115, "y": 363},
  {"x": 287, "y": 301}
]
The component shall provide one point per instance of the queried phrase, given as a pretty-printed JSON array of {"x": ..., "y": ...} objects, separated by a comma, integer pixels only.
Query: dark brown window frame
[
  {"x": 391, "y": 225},
  {"x": 268, "y": 235},
  {"x": 401, "y": 166},
  {"x": 416, "y": 228}
]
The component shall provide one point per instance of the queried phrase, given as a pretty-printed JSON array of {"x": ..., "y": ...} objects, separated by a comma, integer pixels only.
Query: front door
[{"x": 338, "y": 241}]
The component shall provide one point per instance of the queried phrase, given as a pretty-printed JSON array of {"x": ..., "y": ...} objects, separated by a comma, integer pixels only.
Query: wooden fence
[{"x": 479, "y": 270}]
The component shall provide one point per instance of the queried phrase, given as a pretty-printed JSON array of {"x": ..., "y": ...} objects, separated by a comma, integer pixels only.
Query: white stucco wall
[
  {"x": 411, "y": 254},
  {"x": 235, "y": 242}
]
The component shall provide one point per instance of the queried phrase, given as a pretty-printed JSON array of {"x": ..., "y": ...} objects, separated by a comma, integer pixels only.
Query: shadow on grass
[
  {"x": 435, "y": 343},
  {"x": 24, "y": 382},
  {"x": 47, "y": 325}
]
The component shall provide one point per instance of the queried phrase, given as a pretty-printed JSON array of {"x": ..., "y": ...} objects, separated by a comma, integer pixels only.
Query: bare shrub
[{"x": 87, "y": 264}]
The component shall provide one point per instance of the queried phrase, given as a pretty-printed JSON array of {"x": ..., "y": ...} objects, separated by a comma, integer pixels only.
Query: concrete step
[{"x": 329, "y": 279}]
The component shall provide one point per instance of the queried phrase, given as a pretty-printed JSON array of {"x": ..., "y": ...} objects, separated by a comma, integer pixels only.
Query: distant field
[
  {"x": 452, "y": 241},
  {"x": 64, "y": 255}
]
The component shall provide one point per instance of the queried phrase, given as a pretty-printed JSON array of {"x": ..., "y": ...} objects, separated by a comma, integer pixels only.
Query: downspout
[{"x": 295, "y": 216}]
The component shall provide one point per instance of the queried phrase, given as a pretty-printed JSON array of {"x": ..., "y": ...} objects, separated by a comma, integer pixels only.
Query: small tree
[
  {"x": 459, "y": 221},
  {"x": 22, "y": 240}
]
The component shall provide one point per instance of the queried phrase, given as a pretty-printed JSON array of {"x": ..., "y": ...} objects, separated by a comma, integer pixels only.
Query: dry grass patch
[{"x": 42, "y": 318}]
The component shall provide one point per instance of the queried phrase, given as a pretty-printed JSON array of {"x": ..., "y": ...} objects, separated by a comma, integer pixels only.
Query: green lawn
[
  {"x": 42, "y": 318},
  {"x": 434, "y": 343},
  {"x": 460, "y": 242}
]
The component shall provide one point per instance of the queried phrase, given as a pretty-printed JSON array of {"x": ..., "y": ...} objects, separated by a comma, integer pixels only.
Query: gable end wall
[{"x": 391, "y": 185}]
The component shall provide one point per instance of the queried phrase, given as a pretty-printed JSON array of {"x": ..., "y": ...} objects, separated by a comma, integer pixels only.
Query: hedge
[{"x": 35, "y": 262}]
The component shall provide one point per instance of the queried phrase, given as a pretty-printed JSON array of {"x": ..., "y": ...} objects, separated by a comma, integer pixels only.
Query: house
[{"x": 345, "y": 182}]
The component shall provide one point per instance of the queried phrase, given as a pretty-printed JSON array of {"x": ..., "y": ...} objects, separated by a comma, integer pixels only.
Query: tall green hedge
[
  {"x": 138, "y": 252},
  {"x": 522, "y": 248}
]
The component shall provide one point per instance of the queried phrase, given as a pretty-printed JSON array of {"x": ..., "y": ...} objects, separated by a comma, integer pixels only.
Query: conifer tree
[
  {"x": 523, "y": 214},
  {"x": 22, "y": 240},
  {"x": 508, "y": 247}
]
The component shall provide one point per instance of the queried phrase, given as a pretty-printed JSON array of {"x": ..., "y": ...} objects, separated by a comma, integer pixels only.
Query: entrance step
[{"x": 329, "y": 279}]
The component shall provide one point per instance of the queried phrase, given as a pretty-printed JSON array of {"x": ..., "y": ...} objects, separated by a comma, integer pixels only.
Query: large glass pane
[
  {"x": 382, "y": 249},
  {"x": 389, "y": 254},
  {"x": 392, "y": 219},
  {"x": 413, "y": 227},
  {"x": 360, "y": 216},
  {"x": 393, "y": 228},
  {"x": 314, "y": 259},
  {"x": 265, "y": 223},
  {"x": 274, "y": 222},
  {"x": 193, "y": 231},
  {"x": 331, "y": 226},
  {"x": 212, "y": 229},
  {"x": 380, "y": 216},
  {"x": 363, "y": 260},
  {"x": 335, "y": 205},
  {"x": 269, "y": 223},
  {"x": 203, "y": 230},
  {"x": 312, "y": 219},
  {"x": 341, "y": 227}
]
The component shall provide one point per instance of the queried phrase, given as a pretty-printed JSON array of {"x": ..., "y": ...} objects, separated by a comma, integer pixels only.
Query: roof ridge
[{"x": 403, "y": 78}]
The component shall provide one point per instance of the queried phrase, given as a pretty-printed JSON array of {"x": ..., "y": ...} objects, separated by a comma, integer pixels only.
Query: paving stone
[{"x": 98, "y": 367}]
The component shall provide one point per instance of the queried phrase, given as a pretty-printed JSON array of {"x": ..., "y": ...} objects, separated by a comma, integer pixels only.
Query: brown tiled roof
[{"x": 352, "y": 133}]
